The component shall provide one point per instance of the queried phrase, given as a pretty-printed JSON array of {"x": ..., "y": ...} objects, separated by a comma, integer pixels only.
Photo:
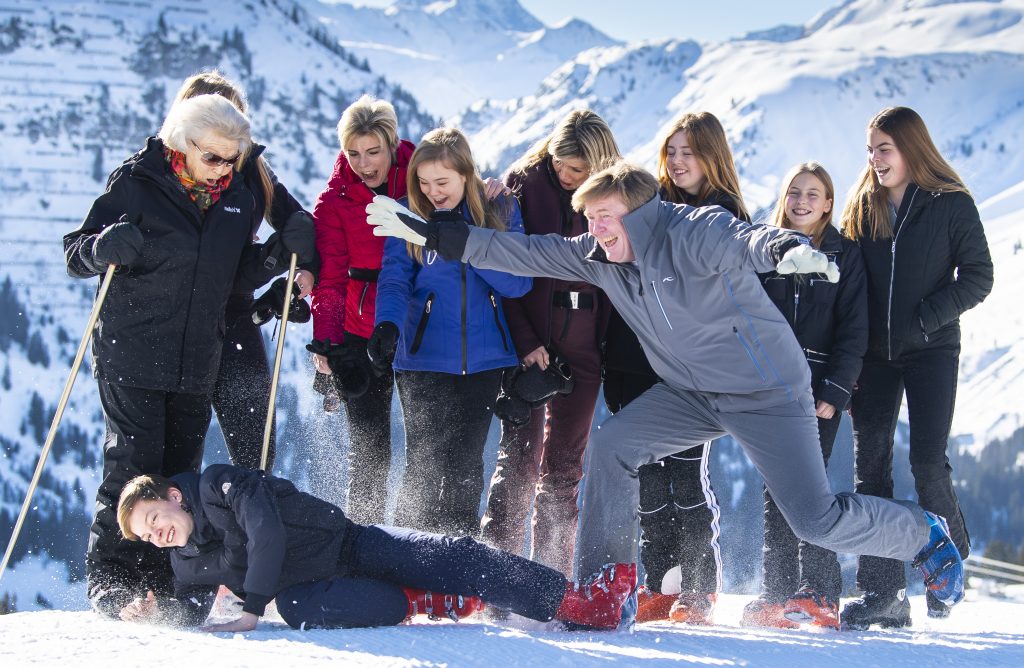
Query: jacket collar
[
  {"x": 640, "y": 225},
  {"x": 832, "y": 240},
  {"x": 150, "y": 163},
  {"x": 202, "y": 530}
]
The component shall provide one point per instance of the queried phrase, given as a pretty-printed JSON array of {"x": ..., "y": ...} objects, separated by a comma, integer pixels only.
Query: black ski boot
[
  {"x": 889, "y": 610},
  {"x": 936, "y": 608}
]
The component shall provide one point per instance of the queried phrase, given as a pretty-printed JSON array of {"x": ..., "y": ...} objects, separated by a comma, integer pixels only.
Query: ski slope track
[{"x": 983, "y": 632}]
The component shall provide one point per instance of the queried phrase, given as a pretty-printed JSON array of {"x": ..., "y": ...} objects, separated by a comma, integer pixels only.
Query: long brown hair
[
  {"x": 212, "y": 82},
  {"x": 779, "y": 217},
  {"x": 867, "y": 211},
  {"x": 581, "y": 134},
  {"x": 450, "y": 147},
  {"x": 707, "y": 141}
]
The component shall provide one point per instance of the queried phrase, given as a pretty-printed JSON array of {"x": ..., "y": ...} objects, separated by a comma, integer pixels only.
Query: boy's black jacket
[{"x": 256, "y": 534}]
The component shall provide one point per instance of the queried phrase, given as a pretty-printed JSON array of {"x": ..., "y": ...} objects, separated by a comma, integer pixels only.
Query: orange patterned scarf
[{"x": 203, "y": 195}]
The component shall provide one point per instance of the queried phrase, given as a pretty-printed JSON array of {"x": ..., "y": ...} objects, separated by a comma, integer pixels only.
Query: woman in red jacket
[
  {"x": 541, "y": 462},
  {"x": 372, "y": 162}
]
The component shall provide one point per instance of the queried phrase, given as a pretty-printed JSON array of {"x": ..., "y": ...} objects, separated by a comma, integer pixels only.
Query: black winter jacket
[
  {"x": 162, "y": 323},
  {"x": 830, "y": 320},
  {"x": 622, "y": 351},
  {"x": 936, "y": 266},
  {"x": 256, "y": 534}
]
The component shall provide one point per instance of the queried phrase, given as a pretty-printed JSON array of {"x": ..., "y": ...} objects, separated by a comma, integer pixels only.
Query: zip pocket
[
  {"x": 750, "y": 354},
  {"x": 658, "y": 297},
  {"x": 497, "y": 321},
  {"x": 422, "y": 327}
]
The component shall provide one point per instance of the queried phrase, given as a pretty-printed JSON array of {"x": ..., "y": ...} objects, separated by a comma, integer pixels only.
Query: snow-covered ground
[{"x": 985, "y": 630}]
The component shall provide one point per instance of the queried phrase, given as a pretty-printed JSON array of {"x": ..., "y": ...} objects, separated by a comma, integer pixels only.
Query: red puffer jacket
[{"x": 350, "y": 255}]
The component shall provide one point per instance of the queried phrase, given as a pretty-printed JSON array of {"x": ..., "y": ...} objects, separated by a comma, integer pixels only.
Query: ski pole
[
  {"x": 277, "y": 363},
  {"x": 93, "y": 317}
]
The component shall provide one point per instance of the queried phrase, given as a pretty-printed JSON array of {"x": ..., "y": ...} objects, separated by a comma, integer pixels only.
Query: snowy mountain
[
  {"x": 82, "y": 84},
  {"x": 791, "y": 94},
  {"x": 452, "y": 53}
]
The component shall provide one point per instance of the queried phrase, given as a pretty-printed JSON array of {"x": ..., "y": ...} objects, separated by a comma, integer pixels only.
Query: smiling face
[
  {"x": 887, "y": 162},
  {"x": 162, "y": 523},
  {"x": 605, "y": 217},
  {"x": 201, "y": 170},
  {"x": 683, "y": 167},
  {"x": 806, "y": 202},
  {"x": 571, "y": 172},
  {"x": 440, "y": 184},
  {"x": 369, "y": 158}
]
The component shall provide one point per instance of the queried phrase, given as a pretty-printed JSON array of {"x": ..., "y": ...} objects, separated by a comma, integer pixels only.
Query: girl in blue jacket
[{"x": 441, "y": 326}]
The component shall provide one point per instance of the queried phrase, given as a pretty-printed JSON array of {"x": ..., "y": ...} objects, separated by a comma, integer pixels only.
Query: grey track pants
[{"x": 782, "y": 443}]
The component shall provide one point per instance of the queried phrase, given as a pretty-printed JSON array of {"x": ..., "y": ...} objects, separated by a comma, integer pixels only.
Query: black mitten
[
  {"x": 271, "y": 304},
  {"x": 119, "y": 244},
  {"x": 537, "y": 386},
  {"x": 382, "y": 345},
  {"x": 350, "y": 369}
]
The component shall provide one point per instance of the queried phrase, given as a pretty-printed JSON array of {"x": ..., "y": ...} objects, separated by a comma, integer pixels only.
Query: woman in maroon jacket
[
  {"x": 372, "y": 162},
  {"x": 545, "y": 456}
]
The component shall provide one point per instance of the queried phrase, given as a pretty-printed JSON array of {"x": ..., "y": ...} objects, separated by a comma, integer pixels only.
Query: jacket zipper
[
  {"x": 892, "y": 273},
  {"x": 657, "y": 297},
  {"x": 462, "y": 268},
  {"x": 362, "y": 297},
  {"x": 750, "y": 354},
  {"x": 796, "y": 301},
  {"x": 829, "y": 382},
  {"x": 422, "y": 326},
  {"x": 497, "y": 321}
]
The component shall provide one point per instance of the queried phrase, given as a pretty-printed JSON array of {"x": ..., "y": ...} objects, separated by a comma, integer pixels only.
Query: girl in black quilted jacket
[{"x": 927, "y": 262}]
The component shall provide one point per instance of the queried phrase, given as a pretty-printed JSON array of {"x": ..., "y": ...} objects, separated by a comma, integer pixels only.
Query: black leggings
[
  {"x": 929, "y": 378},
  {"x": 446, "y": 421}
]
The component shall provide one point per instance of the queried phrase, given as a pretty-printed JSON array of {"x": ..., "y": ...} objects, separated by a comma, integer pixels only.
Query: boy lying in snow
[{"x": 264, "y": 539}]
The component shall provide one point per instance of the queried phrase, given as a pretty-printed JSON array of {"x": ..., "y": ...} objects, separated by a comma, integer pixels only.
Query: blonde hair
[
  {"x": 867, "y": 211},
  {"x": 203, "y": 115},
  {"x": 707, "y": 140},
  {"x": 450, "y": 147},
  {"x": 212, "y": 82},
  {"x": 581, "y": 134},
  {"x": 141, "y": 488},
  {"x": 779, "y": 218},
  {"x": 369, "y": 116},
  {"x": 632, "y": 184}
]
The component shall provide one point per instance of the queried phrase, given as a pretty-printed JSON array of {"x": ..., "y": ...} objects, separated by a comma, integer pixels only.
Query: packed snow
[{"x": 985, "y": 630}]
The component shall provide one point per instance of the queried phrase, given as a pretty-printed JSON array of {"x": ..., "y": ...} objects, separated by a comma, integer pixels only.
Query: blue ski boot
[{"x": 941, "y": 564}]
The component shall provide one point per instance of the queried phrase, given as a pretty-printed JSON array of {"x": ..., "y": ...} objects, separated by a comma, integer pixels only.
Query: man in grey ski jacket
[{"x": 685, "y": 280}]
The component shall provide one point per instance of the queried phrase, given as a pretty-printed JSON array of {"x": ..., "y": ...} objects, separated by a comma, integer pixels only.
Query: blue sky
[{"x": 704, "y": 20}]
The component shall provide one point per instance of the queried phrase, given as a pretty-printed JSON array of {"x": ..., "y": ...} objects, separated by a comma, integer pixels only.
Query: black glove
[
  {"x": 299, "y": 236},
  {"x": 323, "y": 385},
  {"x": 522, "y": 390},
  {"x": 350, "y": 369},
  {"x": 271, "y": 304},
  {"x": 783, "y": 243},
  {"x": 509, "y": 406},
  {"x": 447, "y": 233},
  {"x": 381, "y": 346},
  {"x": 119, "y": 244}
]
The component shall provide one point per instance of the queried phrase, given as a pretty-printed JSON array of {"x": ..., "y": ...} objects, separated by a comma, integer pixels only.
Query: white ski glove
[
  {"x": 391, "y": 219},
  {"x": 803, "y": 259}
]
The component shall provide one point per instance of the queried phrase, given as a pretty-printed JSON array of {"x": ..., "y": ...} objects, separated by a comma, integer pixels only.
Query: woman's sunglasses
[{"x": 214, "y": 160}]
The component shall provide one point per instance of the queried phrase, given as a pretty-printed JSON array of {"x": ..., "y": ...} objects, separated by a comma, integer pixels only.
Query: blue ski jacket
[{"x": 449, "y": 313}]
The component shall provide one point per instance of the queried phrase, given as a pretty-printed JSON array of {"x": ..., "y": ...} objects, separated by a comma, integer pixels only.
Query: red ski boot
[
  {"x": 597, "y": 603},
  {"x": 809, "y": 607},
  {"x": 694, "y": 608},
  {"x": 652, "y": 606},
  {"x": 435, "y": 605}
]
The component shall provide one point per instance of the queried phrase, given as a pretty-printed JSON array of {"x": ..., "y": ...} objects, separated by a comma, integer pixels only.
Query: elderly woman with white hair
[{"x": 177, "y": 222}]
